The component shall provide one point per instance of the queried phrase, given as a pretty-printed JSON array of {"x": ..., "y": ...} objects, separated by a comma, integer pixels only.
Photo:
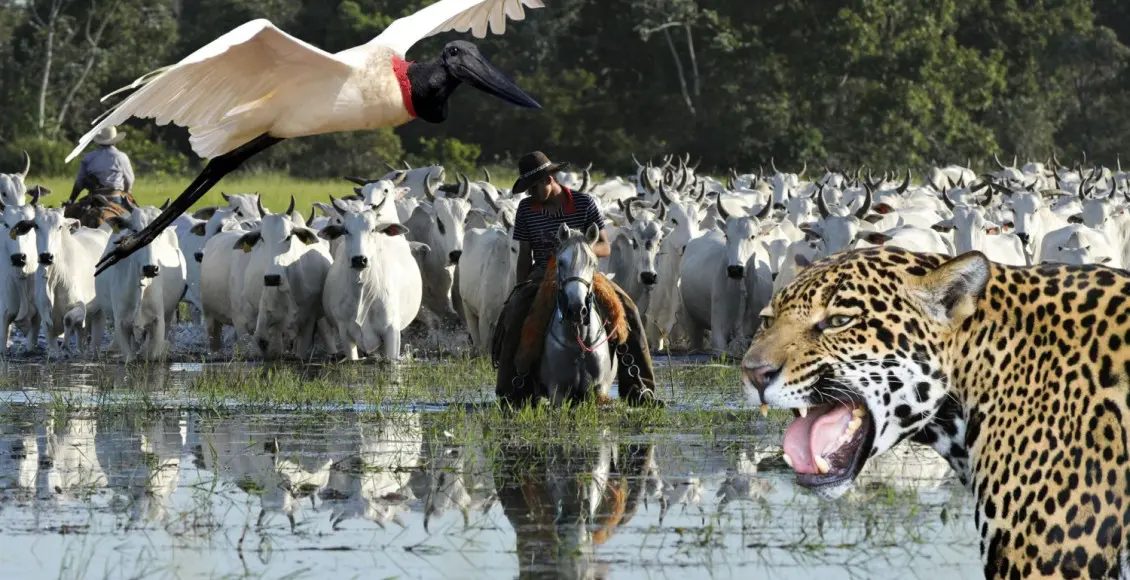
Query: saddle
[
  {"x": 96, "y": 208},
  {"x": 537, "y": 320}
]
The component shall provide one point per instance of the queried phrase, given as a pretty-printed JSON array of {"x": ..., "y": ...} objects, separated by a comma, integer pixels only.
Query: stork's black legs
[{"x": 211, "y": 175}]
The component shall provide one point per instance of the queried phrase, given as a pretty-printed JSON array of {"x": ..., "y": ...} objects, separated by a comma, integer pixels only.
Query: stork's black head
[{"x": 460, "y": 61}]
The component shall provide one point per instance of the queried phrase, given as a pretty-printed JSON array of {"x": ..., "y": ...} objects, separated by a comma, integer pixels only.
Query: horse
[{"x": 577, "y": 360}]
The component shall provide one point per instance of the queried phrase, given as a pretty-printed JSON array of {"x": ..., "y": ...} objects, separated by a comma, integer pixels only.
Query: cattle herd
[{"x": 701, "y": 257}]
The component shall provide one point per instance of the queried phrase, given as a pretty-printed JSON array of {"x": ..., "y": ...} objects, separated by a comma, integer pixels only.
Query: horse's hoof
[{"x": 646, "y": 398}]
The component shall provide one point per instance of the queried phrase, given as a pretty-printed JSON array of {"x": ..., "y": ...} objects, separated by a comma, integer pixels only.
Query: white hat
[{"x": 108, "y": 136}]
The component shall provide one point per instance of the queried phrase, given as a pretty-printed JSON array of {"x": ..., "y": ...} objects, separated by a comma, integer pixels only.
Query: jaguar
[{"x": 1018, "y": 376}]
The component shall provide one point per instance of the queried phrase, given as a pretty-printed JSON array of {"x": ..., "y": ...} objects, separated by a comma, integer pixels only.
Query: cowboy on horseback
[
  {"x": 107, "y": 174},
  {"x": 538, "y": 224}
]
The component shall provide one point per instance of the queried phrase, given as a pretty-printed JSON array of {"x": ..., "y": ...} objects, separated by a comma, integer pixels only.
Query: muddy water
[{"x": 96, "y": 489}]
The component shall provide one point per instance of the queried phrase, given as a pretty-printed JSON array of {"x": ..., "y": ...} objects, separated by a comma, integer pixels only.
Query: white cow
[
  {"x": 665, "y": 307},
  {"x": 419, "y": 181},
  {"x": 1078, "y": 244},
  {"x": 372, "y": 192},
  {"x": 215, "y": 283},
  {"x": 245, "y": 206},
  {"x": 283, "y": 283},
  {"x": 65, "y": 289},
  {"x": 192, "y": 235},
  {"x": 799, "y": 254},
  {"x": 13, "y": 187},
  {"x": 633, "y": 260},
  {"x": 908, "y": 237},
  {"x": 375, "y": 483},
  {"x": 439, "y": 225},
  {"x": 142, "y": 291},
  {"x": 17, "y": 276},
  {"x": 486, "y": 275},
  {"x": 1033, "y": 219},
  {"x": 971, "y": 231},
  {"x": 374, "y": 288},
  {"x": 839, "y": 230},
  {"x": 713, "y": 284}
]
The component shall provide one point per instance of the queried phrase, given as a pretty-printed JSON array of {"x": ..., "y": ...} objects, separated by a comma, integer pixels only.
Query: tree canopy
[{"x": 890, "y": 83}]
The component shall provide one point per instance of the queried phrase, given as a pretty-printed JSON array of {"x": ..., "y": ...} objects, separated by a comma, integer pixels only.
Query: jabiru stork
[{"x": 257, "y": 85}]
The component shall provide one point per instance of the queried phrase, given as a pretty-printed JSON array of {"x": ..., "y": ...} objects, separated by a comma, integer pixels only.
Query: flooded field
[{"x": 232, "y": 470}]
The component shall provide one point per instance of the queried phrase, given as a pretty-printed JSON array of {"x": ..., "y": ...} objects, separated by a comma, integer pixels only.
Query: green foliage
[
  {"x": 334, "y": 155},
  {"x": 882, "y": 82},
  {"x": 453, "y": 154},
  {"x": 46, "y": 156}
]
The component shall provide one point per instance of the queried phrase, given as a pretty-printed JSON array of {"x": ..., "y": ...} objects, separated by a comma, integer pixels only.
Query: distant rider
[
  {"x": 106, "y": 171},
  {"x": 536, "y": 223}
]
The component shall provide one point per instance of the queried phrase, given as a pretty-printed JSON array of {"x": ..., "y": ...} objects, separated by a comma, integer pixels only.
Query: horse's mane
[
  {"x": 533, "y": 330},
  {"x": 576, "y": 242}
]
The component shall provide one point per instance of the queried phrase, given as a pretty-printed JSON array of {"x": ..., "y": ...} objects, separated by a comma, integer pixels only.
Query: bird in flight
[{"x": 257, "y": 85}]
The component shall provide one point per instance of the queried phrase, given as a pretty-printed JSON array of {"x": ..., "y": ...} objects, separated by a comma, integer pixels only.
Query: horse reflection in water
[{"x": 563, "y": 501}]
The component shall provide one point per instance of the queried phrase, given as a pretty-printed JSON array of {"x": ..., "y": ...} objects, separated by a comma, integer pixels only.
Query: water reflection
[{"x": 356, "y": 491}]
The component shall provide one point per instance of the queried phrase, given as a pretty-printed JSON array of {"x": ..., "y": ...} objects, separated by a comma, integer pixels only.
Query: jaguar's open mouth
[{"x": 827, "y": 445}]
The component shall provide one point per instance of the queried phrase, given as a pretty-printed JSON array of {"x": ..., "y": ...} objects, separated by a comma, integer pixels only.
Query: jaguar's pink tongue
[{"x": 815, "y": 435}]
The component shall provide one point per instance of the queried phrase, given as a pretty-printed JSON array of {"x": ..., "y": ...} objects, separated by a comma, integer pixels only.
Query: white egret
[{"x": 257, "y": 85}]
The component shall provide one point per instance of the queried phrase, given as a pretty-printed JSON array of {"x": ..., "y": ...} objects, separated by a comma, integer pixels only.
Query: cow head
[
  {"x": 283, "y": 241},
  {"x": 19, "y": 223},
  {"x": 373, "y": 192},
  {"x": 360, "y": 231},
  {"x": 244, "y": 206},
  {"x": 839, "y": 231},
  {"x": 644, "y": 234},
  {"x": 741, "y": 232},
  {"x": 420, "y": 181},
  {"x": 1026, "y": 207},
  {"x": 13, "y": 185},
  {"x": 51, "y": 226},
  {"x": 445, "y": 234},
  {"x": 681, "y": 222},
  {"x": 144, "y": 260}
]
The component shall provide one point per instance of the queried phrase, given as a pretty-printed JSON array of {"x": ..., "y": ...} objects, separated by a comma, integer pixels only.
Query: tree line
[{"x": 887, "y": 83}]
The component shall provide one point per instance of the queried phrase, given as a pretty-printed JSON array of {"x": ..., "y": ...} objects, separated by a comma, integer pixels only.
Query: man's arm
[
  {"x": 127, "y": 170},
  {"x": 80, "y": 180},
  {"x": 602, "y": 248},
  {"x": 523, "y": 270}
]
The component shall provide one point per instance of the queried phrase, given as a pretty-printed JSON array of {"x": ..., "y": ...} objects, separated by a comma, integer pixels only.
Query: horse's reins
[{"x": 584, "y": 323}]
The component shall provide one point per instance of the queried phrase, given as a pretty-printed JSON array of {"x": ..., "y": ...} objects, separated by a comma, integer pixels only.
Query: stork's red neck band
[{"x": 400, "y": 68}]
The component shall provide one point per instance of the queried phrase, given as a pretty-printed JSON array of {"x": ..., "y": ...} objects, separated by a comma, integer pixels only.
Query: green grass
[{"x": 276, "y": 188}]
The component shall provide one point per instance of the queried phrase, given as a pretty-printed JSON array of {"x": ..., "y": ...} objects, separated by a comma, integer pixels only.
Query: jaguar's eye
[
  {"x": 836, "y": 321},
  {"x": 766, "y": 321}
]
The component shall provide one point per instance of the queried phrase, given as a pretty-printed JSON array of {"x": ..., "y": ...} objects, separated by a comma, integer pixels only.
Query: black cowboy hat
[{"x": 533, "y": 167}]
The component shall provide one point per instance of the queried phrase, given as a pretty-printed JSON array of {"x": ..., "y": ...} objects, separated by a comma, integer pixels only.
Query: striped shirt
[{"x": 539, "y": 228}]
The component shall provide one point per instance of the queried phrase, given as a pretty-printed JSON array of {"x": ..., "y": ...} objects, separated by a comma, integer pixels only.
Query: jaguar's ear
[{"x": 951, "y": 291}]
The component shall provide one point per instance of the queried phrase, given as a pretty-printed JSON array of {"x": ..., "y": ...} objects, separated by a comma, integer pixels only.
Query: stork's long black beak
[
  {"x": 477, "y": 71},
  {"x": 216, "y": 169}
]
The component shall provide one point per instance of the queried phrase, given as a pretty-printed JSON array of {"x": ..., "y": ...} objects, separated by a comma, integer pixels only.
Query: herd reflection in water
[{"x": 573, "y": 504}]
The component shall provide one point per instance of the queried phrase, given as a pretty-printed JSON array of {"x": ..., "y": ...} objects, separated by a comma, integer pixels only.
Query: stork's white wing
[
  {"x": 458, "y": 15},
  {"x": 238, "y": 68}
]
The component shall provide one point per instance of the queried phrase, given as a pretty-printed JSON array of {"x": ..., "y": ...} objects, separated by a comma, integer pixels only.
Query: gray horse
[{"x": 576, "y": 361}]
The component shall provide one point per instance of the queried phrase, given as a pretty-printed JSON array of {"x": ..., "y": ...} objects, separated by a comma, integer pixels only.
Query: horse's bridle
[{"x": 588, "y": 297}]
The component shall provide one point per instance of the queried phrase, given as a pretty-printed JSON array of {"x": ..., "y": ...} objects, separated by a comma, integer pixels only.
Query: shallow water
[{"x": 93, "y": 487}]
